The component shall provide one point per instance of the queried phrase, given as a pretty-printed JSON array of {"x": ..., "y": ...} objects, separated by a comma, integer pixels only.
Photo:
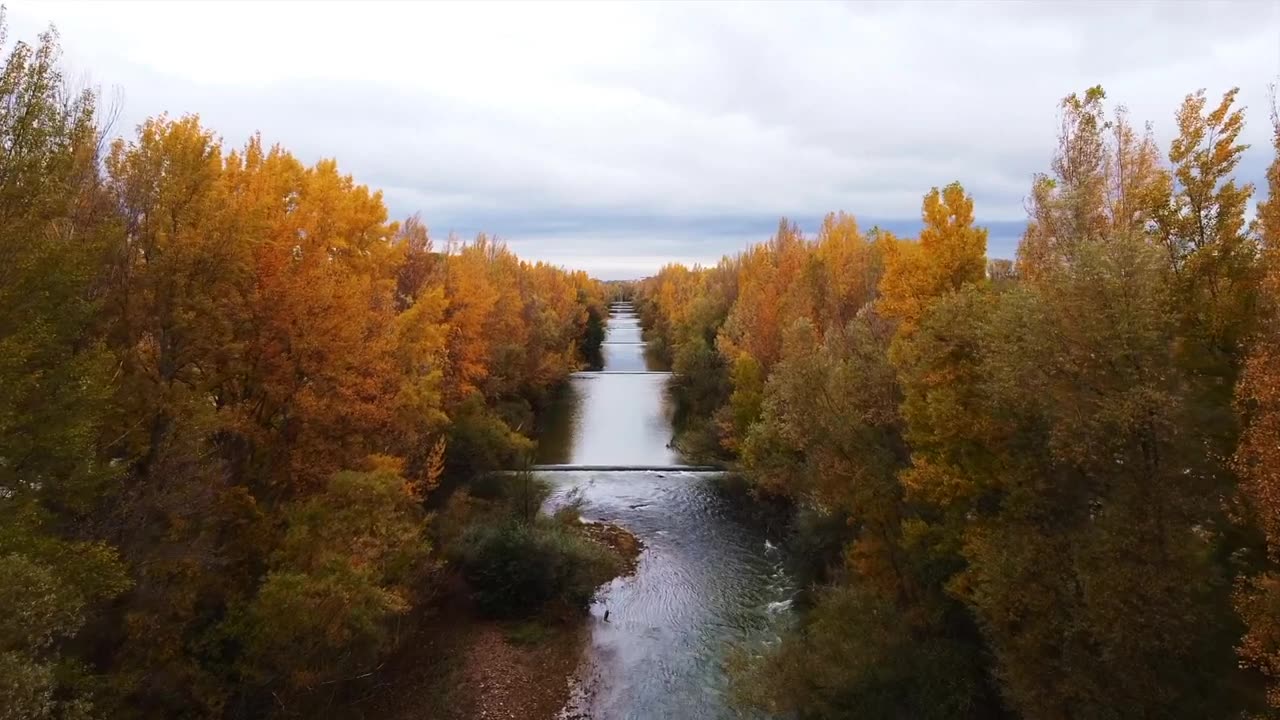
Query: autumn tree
[
  {"x": 950, "y": 252},
  {"x": 1213, "y": 260},
  {"x": 1048, "y": 427},
  {"x": 769, "y": 290},
  {"x": 1257, "y": 459},
  {"x": 419, "y": 418},
  {"x": 1105, "y": 181}
]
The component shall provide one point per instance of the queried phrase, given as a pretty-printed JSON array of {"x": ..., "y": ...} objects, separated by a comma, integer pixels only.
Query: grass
[{"x": 527, "y": 634}]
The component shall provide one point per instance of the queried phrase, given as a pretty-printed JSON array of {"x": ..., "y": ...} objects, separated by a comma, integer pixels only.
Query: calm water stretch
[{"x": 707, "y": 580}]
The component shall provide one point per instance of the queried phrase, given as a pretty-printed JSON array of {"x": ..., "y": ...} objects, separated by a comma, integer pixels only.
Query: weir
[
  {"x": 617, "y": 418},
  {"x": 627, "y": 468},
  {"x": 706, "y": 580}
]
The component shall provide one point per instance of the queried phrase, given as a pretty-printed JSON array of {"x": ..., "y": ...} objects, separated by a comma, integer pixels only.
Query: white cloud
[{"x": 654, "y": 121}]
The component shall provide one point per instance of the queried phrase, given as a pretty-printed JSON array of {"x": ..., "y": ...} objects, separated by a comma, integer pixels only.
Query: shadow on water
[
  {"x": 557, "y": 425},
  {"x": 707, "y": 580}
]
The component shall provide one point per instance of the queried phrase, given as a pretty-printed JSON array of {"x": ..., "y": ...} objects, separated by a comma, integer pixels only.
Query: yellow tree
[
  {"x": 851, "y": 267},
  {"x": 421, "y": 355},
  {"x": 950, "y": 253},
  {"x": 319, "y": 367},
  {"x": 754, "y": 324},
  {"x": 177, "y": 283},
  {"x": 1202, "y": 227},
  {"x": 557, "y": 321},
  {"x": 472, "y": 298}
]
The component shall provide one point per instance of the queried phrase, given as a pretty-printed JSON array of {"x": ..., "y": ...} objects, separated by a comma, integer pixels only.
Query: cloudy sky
[{"x": 616, "y": 137}]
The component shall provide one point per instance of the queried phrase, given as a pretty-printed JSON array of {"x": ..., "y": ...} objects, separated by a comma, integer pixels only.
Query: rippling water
[{"x": 706, "y": 580}]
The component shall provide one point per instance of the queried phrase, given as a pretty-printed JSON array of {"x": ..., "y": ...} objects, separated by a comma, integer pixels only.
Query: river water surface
[{"x": 707, "y": 580}]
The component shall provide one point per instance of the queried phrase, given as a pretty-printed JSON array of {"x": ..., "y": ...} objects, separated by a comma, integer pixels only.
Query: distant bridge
[{"x": 627, "y": 468}]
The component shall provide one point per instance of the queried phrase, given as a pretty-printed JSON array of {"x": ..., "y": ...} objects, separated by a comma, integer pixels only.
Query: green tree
[
  {"x": 54, "y": 385},
  {"x": 1087, "y": 563},
  {"x": 347, "y": 568}
]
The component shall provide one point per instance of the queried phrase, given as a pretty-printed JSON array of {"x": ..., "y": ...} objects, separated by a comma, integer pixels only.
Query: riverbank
[{"x": 459, "y": 665}]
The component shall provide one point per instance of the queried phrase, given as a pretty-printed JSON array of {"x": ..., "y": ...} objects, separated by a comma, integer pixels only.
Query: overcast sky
[{"x": 616, "y": 137}]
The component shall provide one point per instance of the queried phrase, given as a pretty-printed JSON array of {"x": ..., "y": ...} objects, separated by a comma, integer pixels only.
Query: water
[
  {"x": 610, "y": 419},
  {"x": 707, "y": 580}
]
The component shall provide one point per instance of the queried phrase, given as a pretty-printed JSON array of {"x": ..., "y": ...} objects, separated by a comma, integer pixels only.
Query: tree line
[
  {"x": 1047, "y": 488},
  {"x": 228, "y": 385}
]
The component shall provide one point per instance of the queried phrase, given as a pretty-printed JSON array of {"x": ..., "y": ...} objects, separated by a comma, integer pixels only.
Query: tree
[
  {"x": 53, "y": 370},
  {"x": 1087, "y": 565},
  {"x": 1105, "y": 182},
  {"x": 1257, "y": 459},
  {"x": 950, "y": 253},
  {"x": 346, "y": 568},
  {"x": 54, "y": 386},
  {"x": 1201, "y": 225}
]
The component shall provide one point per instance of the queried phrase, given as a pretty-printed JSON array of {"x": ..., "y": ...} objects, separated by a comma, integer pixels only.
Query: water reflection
[{"x": 609, "y": 419}]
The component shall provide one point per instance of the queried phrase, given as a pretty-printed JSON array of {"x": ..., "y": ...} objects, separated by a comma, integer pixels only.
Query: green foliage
[
  {"x": 517, "y": 568},
  {"x": 53, "y": 371},
  {"x": 1101, "y": 504},
  {"x": 699, "y": 388},
  {"x": 344, "y": 572},
  {"x": 527, "y": 633},
  {"x": 46, "y": 604},
  {"x": 319, "y": 627},
  {"x": 589, "y": 345},
  {"x": 855, "y": 658},
  {"x": 747, "y": 398},
  {"x": 480, "y": 442},
  {"x": 54, "y": 384}
]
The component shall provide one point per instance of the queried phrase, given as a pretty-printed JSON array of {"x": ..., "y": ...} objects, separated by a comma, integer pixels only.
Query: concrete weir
[{"x": 627, "y": 468}]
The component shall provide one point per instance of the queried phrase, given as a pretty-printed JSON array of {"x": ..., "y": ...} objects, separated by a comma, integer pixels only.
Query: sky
[{"x": 617, "y": 137}]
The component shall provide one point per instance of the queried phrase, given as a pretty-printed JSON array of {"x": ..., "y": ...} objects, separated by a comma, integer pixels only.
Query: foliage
[
  {"x": 1034, "y": 464},
  {"x": 517, "y": 567},
  {"x": 1257, "y": 459},
  {"x": 227, "y": 385},
  {"x": 854, "y": 659},
  {"x": 516, "y": 559},
  {"x": 345, "y": 570}
]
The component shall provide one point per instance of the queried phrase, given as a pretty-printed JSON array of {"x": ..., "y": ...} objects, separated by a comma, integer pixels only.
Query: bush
[{"x": 517, "y": 568}]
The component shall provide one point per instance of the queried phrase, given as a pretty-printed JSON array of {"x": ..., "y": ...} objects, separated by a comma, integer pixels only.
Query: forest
[
  {"x": 1047, "y": 488},
  {"x": 227, "y": 385},
  {"x": 250, "y": 428}
]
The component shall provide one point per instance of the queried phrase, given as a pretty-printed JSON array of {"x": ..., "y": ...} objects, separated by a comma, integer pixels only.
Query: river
[{"x": 707, "y": 580}]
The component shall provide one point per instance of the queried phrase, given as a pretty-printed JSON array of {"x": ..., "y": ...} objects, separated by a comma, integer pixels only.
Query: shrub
[{"x": 516, "y": 568}]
